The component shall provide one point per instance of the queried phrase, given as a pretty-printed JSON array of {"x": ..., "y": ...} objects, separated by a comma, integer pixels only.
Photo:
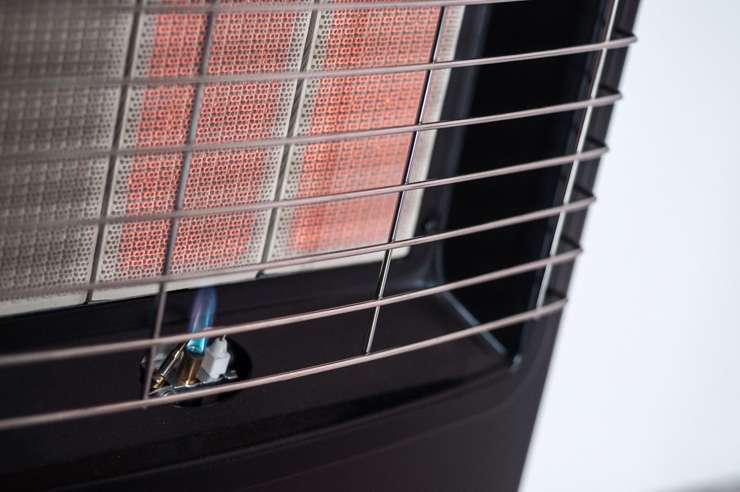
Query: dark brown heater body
[{"x": 415, "y": 370}]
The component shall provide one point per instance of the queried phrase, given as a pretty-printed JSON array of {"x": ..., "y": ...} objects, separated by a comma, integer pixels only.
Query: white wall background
[{"x": 644, "y": 390}]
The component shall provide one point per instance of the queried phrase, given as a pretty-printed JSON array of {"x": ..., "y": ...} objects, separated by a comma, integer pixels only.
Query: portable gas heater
[{"x": 290, "y": 245}]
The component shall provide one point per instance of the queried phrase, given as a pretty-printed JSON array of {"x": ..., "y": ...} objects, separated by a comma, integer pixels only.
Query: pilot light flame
[{"x": 201, "y": 318}]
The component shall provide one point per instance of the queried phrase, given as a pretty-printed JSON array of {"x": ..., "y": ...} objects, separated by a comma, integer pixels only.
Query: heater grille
[{"x": 153, "y": 146}]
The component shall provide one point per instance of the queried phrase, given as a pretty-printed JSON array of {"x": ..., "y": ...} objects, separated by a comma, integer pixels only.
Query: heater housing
[{"x": 393, "y": 339}]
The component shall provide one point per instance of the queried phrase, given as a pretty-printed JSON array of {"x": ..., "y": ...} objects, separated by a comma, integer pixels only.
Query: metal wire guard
[
  {"x": 50, "y": 417},
  {"x": 598, "y": 97}
]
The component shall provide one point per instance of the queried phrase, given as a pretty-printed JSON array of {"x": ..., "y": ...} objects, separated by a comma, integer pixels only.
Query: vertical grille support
[
  {"x": 179, "y": 203},
  {"x": 110, "y": 178},
  {"x": 408, "y": 172},
  {"x": 581, "y": 144},
  {"x": 292, "y": 132}
]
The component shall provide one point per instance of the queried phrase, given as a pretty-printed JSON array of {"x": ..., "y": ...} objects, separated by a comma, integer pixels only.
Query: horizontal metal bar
[
  {"x": 38, "y": 356},
  {"x": 303, "y": 260},
  {"x": 58, "y": 82},
  {"x": 266, "y": 7},
  {"x": 106, "y": 409},
  {"x": 313, "y": 200},
  {"x": 606, "y": 100}
]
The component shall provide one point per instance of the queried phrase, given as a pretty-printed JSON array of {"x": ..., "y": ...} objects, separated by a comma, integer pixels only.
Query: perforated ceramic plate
[
  {"x": 34, "y": 192},
  {"x": 352, "y": 39},
  {"x": 172, "y": 45},
  {"x": 46, "y": 39}
]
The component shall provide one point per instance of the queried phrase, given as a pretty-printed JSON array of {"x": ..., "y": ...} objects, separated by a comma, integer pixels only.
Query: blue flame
[{"x": 201, "y": 318}]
